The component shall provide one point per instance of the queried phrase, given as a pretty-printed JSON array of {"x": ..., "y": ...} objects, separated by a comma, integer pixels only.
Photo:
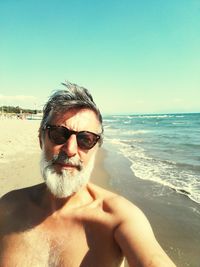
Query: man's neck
[{"x": 56, "y": 205}]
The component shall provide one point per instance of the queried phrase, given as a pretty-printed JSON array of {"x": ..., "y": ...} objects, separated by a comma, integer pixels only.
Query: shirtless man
[{"x": 67, "y": 221}]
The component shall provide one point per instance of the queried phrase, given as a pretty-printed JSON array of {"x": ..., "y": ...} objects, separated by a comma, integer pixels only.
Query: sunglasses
[{"x": 60, "y": 134}]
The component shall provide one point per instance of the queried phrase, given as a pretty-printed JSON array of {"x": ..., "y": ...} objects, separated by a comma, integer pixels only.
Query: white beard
[{"x": 65, "y": 183}]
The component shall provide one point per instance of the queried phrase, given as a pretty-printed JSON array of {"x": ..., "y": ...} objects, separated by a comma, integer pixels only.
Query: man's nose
[{"x": 70, "y": 146}]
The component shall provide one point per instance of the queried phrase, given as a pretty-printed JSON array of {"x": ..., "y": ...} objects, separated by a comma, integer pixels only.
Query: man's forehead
[{"x": 83, "y": 114}]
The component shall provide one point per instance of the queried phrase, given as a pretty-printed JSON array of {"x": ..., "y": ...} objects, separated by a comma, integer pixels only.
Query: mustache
[{"x": 62, "y": 158}]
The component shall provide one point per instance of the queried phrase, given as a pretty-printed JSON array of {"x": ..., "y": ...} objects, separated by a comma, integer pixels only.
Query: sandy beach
[{"x": 174, "y": 217}]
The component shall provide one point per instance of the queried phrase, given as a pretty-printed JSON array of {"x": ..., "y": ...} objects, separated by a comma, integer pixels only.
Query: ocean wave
[
  {"x": 181, "y": 165},
  {"x": 179, "y": 116},
  {"x": 127, "y": 122},
  {"x": 179, "y": 123},
  {"x": 192, "y": 195},
  {"x": 134, "y": 132},
  {"x": 109, "y": 120},
  {"x": 156, "y": 116},
  {"x": 119, "y": 116},
  {"x": 165, "y": 172},
  {"x": 183, "y": 182}
]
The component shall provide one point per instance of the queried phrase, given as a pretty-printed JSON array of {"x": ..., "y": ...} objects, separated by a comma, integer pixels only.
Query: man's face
[{"x": 67, "y": 167}]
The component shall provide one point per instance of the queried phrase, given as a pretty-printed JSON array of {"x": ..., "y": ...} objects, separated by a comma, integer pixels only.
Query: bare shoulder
[
  {"x": 14, "y": 202},
  {"x": 10, "y": 201},
  {"x": 15, "y": 210},
  {"x": 16, "y": 196},
  {"x": 9, "y": 207},
  {"x": 117, "y": 204}
]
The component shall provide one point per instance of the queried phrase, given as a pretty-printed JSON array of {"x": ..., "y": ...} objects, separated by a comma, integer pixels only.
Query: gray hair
[{"x": 73, "y": 96}]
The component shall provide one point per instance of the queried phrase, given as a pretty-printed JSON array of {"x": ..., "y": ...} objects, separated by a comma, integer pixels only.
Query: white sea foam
[
  {"x": 179, "y": 116},
  {"x": 119, "y": 116},
  {"x": 109, "y": 120},
  {"x": 148, "y": 168},
  {"x": 133, "y": 132},
  {"x": 178, "y": 123},
  {"x": 155, "y": 116}
]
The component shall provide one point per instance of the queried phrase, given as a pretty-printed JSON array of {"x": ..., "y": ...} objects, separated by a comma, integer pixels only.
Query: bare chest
[{"x": 85, "y": 245}]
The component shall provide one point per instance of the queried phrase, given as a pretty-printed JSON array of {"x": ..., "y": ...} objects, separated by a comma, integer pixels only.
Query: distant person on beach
[{"x": 68, "y": 221}]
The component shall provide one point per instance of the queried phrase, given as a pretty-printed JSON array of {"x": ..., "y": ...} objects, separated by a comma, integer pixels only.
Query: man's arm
[{"x": 135, "y": 237}]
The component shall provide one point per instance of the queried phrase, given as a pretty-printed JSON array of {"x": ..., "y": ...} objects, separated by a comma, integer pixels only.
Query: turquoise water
[{"x": 164, "y": 148}]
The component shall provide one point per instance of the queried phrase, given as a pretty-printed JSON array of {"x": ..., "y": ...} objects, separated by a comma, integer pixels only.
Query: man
[{"x": 67, "y": 221}]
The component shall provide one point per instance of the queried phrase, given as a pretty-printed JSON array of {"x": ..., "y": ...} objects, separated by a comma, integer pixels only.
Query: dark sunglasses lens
[
  {"x": 86, "y": 140},
  {"x": 58, "y": 135}
]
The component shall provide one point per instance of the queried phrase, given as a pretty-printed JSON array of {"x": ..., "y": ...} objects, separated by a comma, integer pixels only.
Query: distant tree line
[{"x": 17, "y": 110}]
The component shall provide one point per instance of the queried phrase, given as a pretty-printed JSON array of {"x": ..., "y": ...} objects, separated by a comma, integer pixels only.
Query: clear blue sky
[{"x": 135, "y": 56}]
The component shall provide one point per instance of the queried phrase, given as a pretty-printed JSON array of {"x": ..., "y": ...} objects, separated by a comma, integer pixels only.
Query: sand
[
  {"x": 174, "y": 218},
  {"x": 19, "y": 154}
]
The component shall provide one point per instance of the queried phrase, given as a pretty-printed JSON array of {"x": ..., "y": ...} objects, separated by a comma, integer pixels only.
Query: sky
[{"x": 135, "y": 56}]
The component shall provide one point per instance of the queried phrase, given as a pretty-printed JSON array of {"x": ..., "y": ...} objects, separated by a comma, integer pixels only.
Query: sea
[{"x": 163, "y": 148}]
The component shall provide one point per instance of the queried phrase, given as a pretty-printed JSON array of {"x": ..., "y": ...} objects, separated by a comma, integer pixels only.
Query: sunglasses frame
[{"x": 69, "y": 133}]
